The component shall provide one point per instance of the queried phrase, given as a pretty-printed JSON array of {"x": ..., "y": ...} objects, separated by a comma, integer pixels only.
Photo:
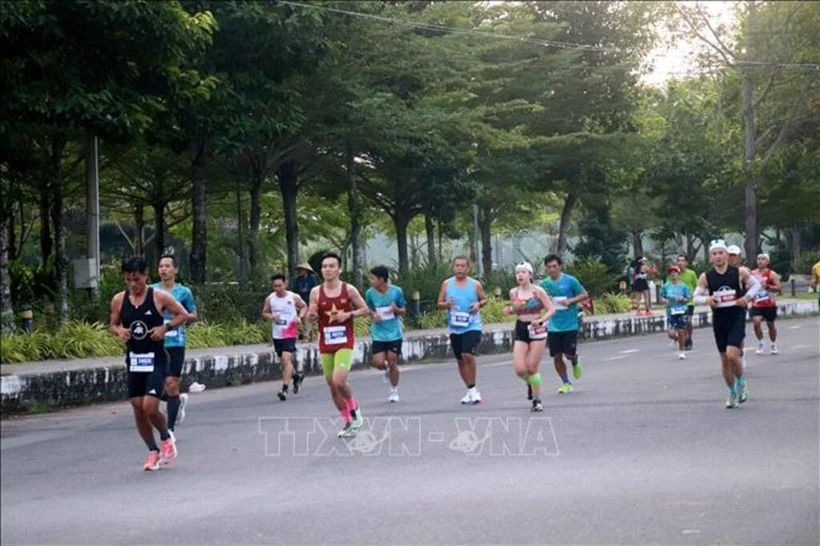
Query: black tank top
[
  {"x": 726, "y": 290},
  {"x": 139, "y": 320}
]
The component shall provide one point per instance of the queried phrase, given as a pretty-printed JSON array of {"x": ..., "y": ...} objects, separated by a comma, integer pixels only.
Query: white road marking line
[
  {"x": 613, "y": 358},
  {"x": 690, "y": 532},
  {"x": 797, "y": 346},
  {"x": 629, "y": 351},
  {"x": 794, "y": 327}
]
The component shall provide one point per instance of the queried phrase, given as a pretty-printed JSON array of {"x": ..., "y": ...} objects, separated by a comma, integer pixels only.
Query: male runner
[
  {"x": 765, "y": 306},
  {"x": 304, "y": 282},
  {"x": 285, "y": 310},
  {"x": 721, "y": 288},
  {"x": 137, "y": 318},
  {"x": 175, "y": 339},
  {"x": 735, "y": 259},
  {"x": 463, "y": 297},
  {"x": 336, "y": 304},
  {"x": 566, "y": 293},
  {"x": 675, "y": 294},
  {"x": 815, "y": 279},
  {"x": 689, "y": 277},
  {"x": 386, "y": 304}
]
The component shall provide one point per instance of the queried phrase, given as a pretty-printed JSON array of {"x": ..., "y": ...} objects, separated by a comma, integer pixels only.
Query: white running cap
[
  {"x": 734, "y": 249},
  {"x": 717, "y": 244},
  {"x": 526, "y": 266},
  {"x": 763, "y": 255}
]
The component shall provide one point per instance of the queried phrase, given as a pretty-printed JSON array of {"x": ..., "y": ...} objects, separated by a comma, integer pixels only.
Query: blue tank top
[{"x": 460, "y": 319}]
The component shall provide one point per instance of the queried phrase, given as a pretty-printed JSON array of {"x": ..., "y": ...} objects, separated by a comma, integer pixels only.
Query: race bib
[
  {"x": 725, "y": 298},
  {"x": 763, "y": 295},
  {"x": 459, "y": 318},
  {"x": 284, "y": 319},
  {"x": 141, "y": 363},
  {"x": 537, "y": 331},
  {"x": 385, "y": 313},
  {"x": 335, "y": 335},
  {"x": 560, "y": 303},
  {"x": 678, "y": 311},
  {"x": 171, "y": 333}
]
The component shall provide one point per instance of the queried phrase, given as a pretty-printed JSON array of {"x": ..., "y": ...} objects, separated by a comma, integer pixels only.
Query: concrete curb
[{"x": 24, "y": 391}]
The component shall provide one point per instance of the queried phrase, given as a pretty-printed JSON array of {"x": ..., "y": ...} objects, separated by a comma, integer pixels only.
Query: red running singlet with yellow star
[{"x": 334, "y": 335}]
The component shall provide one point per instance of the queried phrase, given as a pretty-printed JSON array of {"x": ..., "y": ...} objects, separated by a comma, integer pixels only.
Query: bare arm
[
  {"x": 442, "y": 295},
  {"x": 179, "y": 316},
  {"x": 266, "y": 311},
  {"x": 115, "y": 321},
  {"x": 482, "y": 298},
  {"x": 546, "y": 301},
  {"x": 776, "y": 284},
  {"x": 300, "y": 305},
  {"x": 747, "y": 279},
  {"x": 583, "y": 296},
  {"x": 360, "y": 307},
  {"x": 313, "y": 306}
]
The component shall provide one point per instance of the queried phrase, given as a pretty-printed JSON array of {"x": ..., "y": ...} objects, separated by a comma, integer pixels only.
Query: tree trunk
[
  {"x": 240, "y": 233},
  {"x": 563, "y": 226},
  {"x": 400, "y": 221},
  {"x": 430, "y": 233},
  {"x": 255, "y": 220},
  {"x": 46, "y": 242},
  {"x": 11, "y": 234},
  {"x": 690, "y": 248},
  {"x": 440, "y": 242},
  {"x": 159, "y": 228},
  {"x": 750, "y": 130},
  {"x": 200, "y": 214},
  {"x": 60, "y": 254},
  {"x": 6, "y": 310},
  {"x": 289, "y": 188},
  {"x": 485, "y": 229},
  {"x": 354, "y": 206},
  {"x": 637, "y": 243},
  {"x": 139, "y": 230},
  {"x": 796, "y": 248}
]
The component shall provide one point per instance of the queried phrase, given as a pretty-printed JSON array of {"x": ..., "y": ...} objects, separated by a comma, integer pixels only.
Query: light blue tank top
[{"x": 460, "y": 319}]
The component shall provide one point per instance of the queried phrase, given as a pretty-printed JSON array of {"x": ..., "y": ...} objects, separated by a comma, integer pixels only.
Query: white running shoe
[
  {"x": 468, "y": 398},
  {"x": 774, "y": 349},
  {"x": 476, "y": 395},
  {"x": 760, "y": 347},
  {"x": 394, "y": 395},
  {"x": 183, "y": 401},
  {"x": 681, "y": 356}
]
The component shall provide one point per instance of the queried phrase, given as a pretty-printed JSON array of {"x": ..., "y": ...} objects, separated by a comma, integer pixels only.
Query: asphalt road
[{"x": 643, "y": 452}]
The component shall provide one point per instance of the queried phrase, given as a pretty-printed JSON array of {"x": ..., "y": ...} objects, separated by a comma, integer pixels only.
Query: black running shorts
[
  {"x": 563, "y": 343},
  {"x": 730, "y": 329},
  {"x": 467, "y": 342}
]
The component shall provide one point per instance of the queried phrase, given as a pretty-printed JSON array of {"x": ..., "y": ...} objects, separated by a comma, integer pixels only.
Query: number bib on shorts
[
  {"x": 385, "y": 313},
  {"x": 141, "y": 363},
  {"x": 459, "y": 319},
  {"x": 725, "y": 297},
  {"x": 537, "y": 332},
  {"x": 335, "y": 335}
]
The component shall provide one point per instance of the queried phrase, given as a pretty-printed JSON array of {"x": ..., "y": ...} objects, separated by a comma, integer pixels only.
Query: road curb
[{"x": 53, "y": 389}]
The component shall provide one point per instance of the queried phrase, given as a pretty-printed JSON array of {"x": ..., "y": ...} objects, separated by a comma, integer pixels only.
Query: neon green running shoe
[
  {"x": 577, "y": 370},
  {"x": 566, "y": 388}
]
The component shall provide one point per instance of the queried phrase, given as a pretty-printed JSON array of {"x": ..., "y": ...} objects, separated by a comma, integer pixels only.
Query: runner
[
  {"x": 137, "y": 318},
  {"x": 736, "y": 260},
  {"x": 640, "y": 288},
  {"x": 336, "y": 304},
  {"x": 815, "y": 279},
  {"x": 674, "y": 295},
  {"x": 566, "y": 293},
  {"x": 175, "y": 340},
  {"x": 720, "y": 287},
  {"x": 284, "y": 310},
  {"x": 386, "y": 304},
  {"x": 303, "y": 284},
  {"x": 688, "y": 277},
  {"x": 765, "y": 306},
  {"x": 463, "y": 297},
  {"x": 532, "y": 307}
]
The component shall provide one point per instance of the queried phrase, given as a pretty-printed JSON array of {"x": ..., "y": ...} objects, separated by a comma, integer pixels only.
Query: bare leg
[
  {"x": 393, "y": 366},
  {"x": 467, "y": 369},
  {"x": 146, "y": 431}
]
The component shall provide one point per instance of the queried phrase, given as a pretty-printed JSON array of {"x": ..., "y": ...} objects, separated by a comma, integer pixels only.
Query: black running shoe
[
  {"x": 537, "y": 405},
  {"x": 282, "y": 395},
  {"x": 297, "y": 382}
]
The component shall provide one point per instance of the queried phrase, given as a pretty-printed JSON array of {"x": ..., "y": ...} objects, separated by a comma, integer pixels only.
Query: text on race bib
[
  {"x": 335, "y": 335},
  {"x": 559, "y": 302},
  {"x": 678, "y": 311},
  {"x": 537, "y": 331},
  {"x": 141, "y": 363},
  {"x": 385, "y": 313},
  {"x": 459, "y": 318},
  {"x": 763, "y": 295},
  {"x": 172, "y": 333},
  {"x": 725, "y": 297}
]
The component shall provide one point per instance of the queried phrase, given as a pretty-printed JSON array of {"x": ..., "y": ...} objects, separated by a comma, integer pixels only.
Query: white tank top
[{"x": 287, "y": 325}]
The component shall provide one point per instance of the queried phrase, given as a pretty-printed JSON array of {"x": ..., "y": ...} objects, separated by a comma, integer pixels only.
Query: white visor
[
  {"x": 734, "y": 249},
  {"x": 717, "y": 244},
  {"x": 526, "y": 266}
]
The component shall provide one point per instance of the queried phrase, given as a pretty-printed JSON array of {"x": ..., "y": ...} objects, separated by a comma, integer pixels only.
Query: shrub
[
  {"x": 593, "y": 275},
  {"x": 611, "y": 303}
]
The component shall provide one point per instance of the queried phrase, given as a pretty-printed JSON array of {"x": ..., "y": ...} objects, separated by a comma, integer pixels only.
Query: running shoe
[
  {"x": 577, "y": 370},
  {"x": 169, "y": 451},
  {"x": 347, "y": 432},
  {"x": 476, "y": 396},
  {"x": 744, "y": 391},
  {"x": 566, "y": 388},
  {"x": 393, "y": 397},
  {"x": 468, "y": 398},
  {"x": 761, "y": 346},
  {"x": 358, "y": 420},
  {"x": 681, "y": 356},
  {"x": 297, "y": 382},
  {"x": 183, "y": 401},
  {"x": 774, "y": 349},
  {"x": 282, "y": 395},
  {"x": 537, "y": 405},
  {"x": 152, "y": 462},
  {"x": 731, "y": 401}
]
